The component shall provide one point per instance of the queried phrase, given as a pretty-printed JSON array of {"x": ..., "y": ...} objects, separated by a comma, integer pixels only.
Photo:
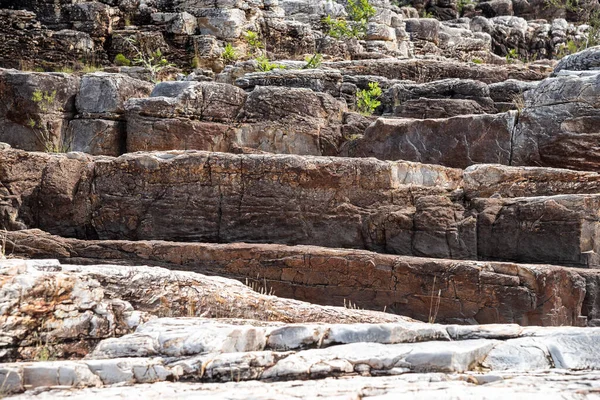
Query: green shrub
[
  {"x": 512, "y": 56},
  {"x": 367, "y": 100},
  {"x": 253, "y": 41},
  {"x": 313, "y": 61},
  {"x": 229, "y": 54},
  {"x": 477, "y": 60},
  {"x": 359, "y": 13},
  {"x": 155, "y": 62},
  {"x": 264, "y": 65},
  {"x": 122, "y": 61}
]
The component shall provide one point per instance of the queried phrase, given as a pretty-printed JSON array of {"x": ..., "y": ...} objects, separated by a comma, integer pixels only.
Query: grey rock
[{"x": 104, "y": 93}]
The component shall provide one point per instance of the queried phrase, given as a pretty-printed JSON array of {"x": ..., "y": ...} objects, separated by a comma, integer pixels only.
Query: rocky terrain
[{"x": 299, "y": 199}]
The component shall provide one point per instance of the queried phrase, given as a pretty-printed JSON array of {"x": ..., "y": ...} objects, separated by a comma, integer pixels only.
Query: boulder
[
  {"x": 35, "y": 109},
  {"x": 559, "y": 125},
  {"x": 454, "y": 142}
]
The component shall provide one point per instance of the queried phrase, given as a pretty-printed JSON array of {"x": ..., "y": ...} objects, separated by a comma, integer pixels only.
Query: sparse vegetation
[
  {"x": 313, "y": 61},
  {"x": 229, "y": 54},
  {"x": 477, "y": 60},
  {"x": 359, "y": 13},
  {"x": 264, "y": 65},
  {"x": 512, "y": 56},
  {"x": 254, "y": 42},
  {"x": 66, "y": 70},
  {"x": 434, "y": 303},
  {"x": 426, "y": 14},
  {"x": 367, "y": 99},
  {"x": 153, "y": 61},
  {"x": 122, "y": 61},
  {"x": 260, "y": 286},
  {"x": 44, "y": 101}
]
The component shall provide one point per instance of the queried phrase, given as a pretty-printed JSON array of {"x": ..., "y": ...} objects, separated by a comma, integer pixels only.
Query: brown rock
[
  {"x": 455, "y": 142},
  {"x": 469, "y": 291}
]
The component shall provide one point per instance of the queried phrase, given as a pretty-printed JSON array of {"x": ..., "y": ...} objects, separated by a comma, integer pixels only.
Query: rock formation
[{"x": 299, "y": 198}]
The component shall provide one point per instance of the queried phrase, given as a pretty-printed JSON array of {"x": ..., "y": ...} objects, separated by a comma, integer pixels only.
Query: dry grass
[{"x": 434, "y": 305}]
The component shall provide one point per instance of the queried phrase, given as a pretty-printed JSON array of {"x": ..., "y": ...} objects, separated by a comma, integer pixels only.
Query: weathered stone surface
[
  {"x": 499, "y": 180},
  {"x": 455, "y": 142},
  {"x": 559, "y": 228},
  {"x": 335, "y": 202},
  {"x": 408, "y": 100},
  {"x": 431, "y": 70},
  {"x": 495, "y": 385},
  {"x": 588, "y": 59},
  {"x": 318, "y": 80},
  {"x": 97, "y": 136},
  {"x": 39, "y": 310},
  {"x": 229, "y": 358},
  {"x": 35, "y": 108},
  {"x": 105, "y": 94},
  {"x": 83, "y": 304},
  {"x": 469, "y": 291},
  {"x": 559, "y": 125}
]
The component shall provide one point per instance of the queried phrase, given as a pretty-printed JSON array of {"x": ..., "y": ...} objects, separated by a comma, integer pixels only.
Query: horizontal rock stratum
[
  {"x": 392, "y": 207},
  {"x": 278, "y": 340},
  {"x": 464, "y": 291}
]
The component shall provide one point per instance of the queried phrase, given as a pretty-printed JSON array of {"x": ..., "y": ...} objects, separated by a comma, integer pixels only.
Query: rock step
[
  {"x": 392, "y": 207},
  {"x": 554, "y": 124},
  {"x": 444, "y": 290},
  {"x": 50, "y": 310},
  {"x": 550, "y": 385},
  {"x": 209, "y": 350}
]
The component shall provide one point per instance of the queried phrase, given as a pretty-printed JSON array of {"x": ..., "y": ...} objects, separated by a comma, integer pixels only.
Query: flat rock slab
[
  {"x": 468, "y": 291},
  {"x": 395, "y": 207},
  {"x": 456, "y": 142},
  {"x": 48, "y": 310},
  {"x": 557, "y": 385},
  {"x": 188, "y": 352}
]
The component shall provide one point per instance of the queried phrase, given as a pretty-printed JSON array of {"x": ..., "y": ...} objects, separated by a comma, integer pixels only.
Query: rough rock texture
[
  {"x": 559, "y": 125},
  {"x": 393, "y": 207},
  {"x": 242, "y": 350},
  {"x": 48, "y": 310},
  {"x": 495, "y": 385},
  {"x": 35, "y": 108},
  {"x": 216, "y": 116},
  {"x": 469, "y": 291},
  {"x": 455, "y": 142},
  {"x": 259, "y": 198}
]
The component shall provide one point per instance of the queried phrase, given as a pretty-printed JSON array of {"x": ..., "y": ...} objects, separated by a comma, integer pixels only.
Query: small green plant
[
  {"x": 313, "y": 61},
  {"x": 264, "y": 65},
  {"x": 512, "y": 56},
  {"x": 44, "y": 100},
  {"x": 253, "y": 41},
  {"x": 477, "y": 60},
  {"x": 367, "y": 99},
  {"x": 122, "y": 61},
  {"x": 89, "y": 68},
  {"x": 66, "y": 70},
  {"x": 426, "y": 14},
  {"x": 153, "y": 61},
  {"x": 359, "y": 13},
  {"x": 229, "y": 55},
  {"x": 339, "y": 28}
]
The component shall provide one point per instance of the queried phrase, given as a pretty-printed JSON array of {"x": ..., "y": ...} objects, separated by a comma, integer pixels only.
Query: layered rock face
[
  {"x": 289, "y": 198},
  {"x": 199, "y": 349}
]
